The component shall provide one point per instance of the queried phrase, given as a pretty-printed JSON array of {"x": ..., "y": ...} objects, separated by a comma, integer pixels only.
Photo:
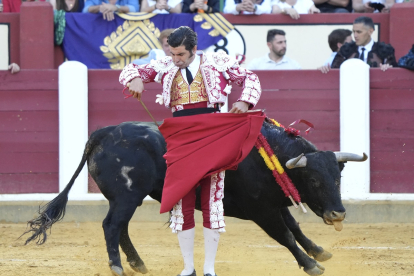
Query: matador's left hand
[{"x": 240, "y": 107}]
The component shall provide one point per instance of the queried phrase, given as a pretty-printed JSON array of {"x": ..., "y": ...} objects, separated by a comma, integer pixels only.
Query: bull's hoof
[
  {"x": 117, "y": 271},
  {"x": 138, "y": 267},
  {"x": 322, "y": 256},
  {"x": 316, "y": 270}
]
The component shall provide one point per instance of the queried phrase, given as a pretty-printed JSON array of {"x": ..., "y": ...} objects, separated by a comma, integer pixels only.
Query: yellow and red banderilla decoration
[{"x": 277, "y": 170}]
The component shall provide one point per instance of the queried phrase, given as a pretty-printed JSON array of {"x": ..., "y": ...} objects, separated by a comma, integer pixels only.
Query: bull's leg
[
  {"x": 120, "y": 212},
  {"x": 133, "y": 258},
  {"x": 271, "y": 221},
  {"x": 310, "y": 247}
]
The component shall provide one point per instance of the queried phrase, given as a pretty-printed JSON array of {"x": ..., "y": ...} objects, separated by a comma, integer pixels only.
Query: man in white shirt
[
  {"x": 276, "y": 59},
  {"x": 247, "y": 6}
]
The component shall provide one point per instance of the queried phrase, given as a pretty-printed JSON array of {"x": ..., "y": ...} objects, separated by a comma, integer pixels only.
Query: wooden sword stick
[
  {"x": 146, "y": 109},
  {"x": 149, "y": 113}
]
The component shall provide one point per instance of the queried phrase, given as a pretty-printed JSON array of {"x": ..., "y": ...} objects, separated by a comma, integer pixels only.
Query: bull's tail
[{"x": 54, "y": 211}]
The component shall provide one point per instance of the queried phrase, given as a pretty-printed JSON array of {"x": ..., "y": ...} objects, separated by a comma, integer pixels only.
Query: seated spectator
[
  {"x": 407, "y": 61},
  {"x": 294, "y": 7},
  {"x": 334, "y": 6},
  {"x": 276, "y": 59},
  {"x": 14, "y": 68},
  {"x": 157, "y": 53},
  {"x": 336, "y": 39},
  {"x": 161, "y": 6},
  {"x": 370, "y": 6},
  {"x": 247, "y": 6},
  {"x": 109, "y": 7},
  {"x": 68, "y": 5},
  {"x": 373, "y": 53},
  {"x": 192, "y": 6}
]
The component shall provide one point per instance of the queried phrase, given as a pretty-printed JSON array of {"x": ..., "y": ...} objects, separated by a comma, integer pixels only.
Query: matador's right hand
[{"x": 136, "y": 87}]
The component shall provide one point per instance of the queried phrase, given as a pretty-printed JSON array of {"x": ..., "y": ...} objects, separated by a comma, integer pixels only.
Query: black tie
[
  {"x": 189, "y": 76},
  {"x": 362, "y": 54}
]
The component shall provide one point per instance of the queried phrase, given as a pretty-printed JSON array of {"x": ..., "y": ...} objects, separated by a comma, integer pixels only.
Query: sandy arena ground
[{"x": 245, "y": 250}]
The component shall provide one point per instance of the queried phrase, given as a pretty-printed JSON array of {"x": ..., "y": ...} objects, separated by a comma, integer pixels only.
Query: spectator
[
  {"x": 336, "y": 39},
  {"x": 68, "y": 5},
  {"x": 247, "y": 6},
  {"x": 14, "y": 68},
  {"x": 373, "y": 53},
  {"x": 366, "y": 6},
  {"x": 161, "y": 6},
  {"x": 109, "y": 7},
  {"x": 190, "y": 6},
  {"x": 276, "y": 59},
  {"x": 294, "y": 7},
  {"x": 157, "y": 53},
  {"x": 334, "y": 6},
  {"x": 407, "y": 61}
]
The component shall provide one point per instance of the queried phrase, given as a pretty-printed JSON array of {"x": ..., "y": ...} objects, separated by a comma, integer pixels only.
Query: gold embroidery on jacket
[{"x": 181, "y": 93}]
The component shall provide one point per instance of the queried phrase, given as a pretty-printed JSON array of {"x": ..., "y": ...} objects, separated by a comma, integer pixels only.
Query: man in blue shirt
[{"x": 109, "y": 7}]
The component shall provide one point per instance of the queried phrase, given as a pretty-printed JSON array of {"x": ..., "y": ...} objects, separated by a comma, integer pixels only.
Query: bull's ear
[
  {"x": 341, "y": 166},
  {"x": 297, "y": 162}
]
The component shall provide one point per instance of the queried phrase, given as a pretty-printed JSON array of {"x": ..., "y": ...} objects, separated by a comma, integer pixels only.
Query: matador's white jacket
[{"x": 218, "y": 71}]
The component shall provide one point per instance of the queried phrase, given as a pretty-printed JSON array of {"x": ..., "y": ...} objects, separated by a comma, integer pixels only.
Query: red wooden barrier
[
  {"x": 36, "y": 35},
  {"x": 29, "y": 132},
  {"x": 307, "y": 94},
  {"x": 392, "y": 134},
  {"x": 29, "y": 120}
]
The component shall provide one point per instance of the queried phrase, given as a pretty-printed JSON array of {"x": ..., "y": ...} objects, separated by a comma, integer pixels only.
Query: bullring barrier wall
[{"x": 29, "y": 125}]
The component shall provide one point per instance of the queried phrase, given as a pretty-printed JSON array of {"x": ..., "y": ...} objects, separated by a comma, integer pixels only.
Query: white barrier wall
[
  {"x": 354, "y": 125},
  {"x": 73, "y": 124}
]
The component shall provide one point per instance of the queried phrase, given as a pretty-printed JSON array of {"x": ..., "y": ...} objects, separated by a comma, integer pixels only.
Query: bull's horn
[
  {"x": 297, "y": 162},
  {"x": 346, "y": 156}
]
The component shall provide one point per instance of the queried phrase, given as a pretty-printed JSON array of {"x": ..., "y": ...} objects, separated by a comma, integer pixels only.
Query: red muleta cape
[{"x": 201, "y": 145}]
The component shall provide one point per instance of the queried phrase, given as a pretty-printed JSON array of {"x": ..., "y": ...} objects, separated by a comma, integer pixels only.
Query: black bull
[{"x": 126, "y": 162}]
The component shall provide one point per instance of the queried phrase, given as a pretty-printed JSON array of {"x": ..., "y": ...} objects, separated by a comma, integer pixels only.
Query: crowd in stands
[
  {"x": 375, "y": 54},
  {"x": 292, "y": 8}
]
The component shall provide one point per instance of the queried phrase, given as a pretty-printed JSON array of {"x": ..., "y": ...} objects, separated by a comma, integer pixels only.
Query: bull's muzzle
[{"x": 334, "y": 218}]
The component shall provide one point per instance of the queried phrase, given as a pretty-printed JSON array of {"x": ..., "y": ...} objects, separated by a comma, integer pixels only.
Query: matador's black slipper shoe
[
  {"x": 192, "y": 274},
  {"x": 210, "y": 274}
]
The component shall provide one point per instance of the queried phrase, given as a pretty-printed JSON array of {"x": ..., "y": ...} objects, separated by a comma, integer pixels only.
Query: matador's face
[{"x": 181, "y": 57}]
